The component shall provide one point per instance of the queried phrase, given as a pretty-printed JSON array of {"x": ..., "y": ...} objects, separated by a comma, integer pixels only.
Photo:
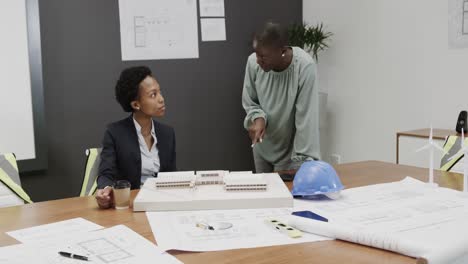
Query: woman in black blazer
[{"x": 136, "y": 147}]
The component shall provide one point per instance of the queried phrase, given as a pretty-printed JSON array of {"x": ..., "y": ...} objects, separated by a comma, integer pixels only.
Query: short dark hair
[
  {"x": 126, "y": 89},
  {"x": 272, "y": 35}
]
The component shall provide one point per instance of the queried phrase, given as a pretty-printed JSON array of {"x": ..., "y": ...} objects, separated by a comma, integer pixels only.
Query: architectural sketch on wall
[
  {"x": 166, "y": 33},
  {"x": 212, "y": 8},
  {"x": 140, "y": 32},
  {"x": 458, "y": 24},
  {"x": 158, "y": 29}
]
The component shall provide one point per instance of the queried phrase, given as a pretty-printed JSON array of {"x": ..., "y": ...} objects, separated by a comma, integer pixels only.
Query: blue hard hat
[{"x": 315, "y": 179}]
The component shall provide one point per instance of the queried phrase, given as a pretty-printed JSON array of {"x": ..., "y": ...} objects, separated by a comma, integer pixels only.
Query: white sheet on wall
[
  {"x": 458, "y": 24},
  {"x": 213, "y": 29},
  {"x": 211, "y": 8},
  {"x": 158, "y": 29},
  {"x": 16, "y": 116}
]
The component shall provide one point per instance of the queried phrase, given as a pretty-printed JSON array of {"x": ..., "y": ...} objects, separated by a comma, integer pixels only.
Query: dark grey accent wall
[{"x": 82, "y": 61}]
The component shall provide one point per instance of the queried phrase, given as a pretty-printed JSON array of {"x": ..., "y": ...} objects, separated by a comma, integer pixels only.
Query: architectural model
[
  {"x": 206, "y": 190},
  {"x": 230, "y": 182}
]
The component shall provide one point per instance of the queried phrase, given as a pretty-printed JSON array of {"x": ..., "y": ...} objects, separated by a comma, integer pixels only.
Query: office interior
[{"x": 388, "y": 68}]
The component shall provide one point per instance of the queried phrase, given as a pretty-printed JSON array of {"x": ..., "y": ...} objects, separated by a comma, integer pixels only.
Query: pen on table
[
  {"x": 73, "y": 256},
  {"x": 253, "y": 144}
]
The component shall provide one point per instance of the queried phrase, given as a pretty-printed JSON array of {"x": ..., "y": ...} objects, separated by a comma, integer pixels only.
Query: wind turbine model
[
  {"x": 431, "y": 145},
  {"x": 464, "y": 150}
]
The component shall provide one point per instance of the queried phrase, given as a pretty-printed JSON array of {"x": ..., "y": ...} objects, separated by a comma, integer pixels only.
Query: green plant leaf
[{"x": 310, "y": 38}]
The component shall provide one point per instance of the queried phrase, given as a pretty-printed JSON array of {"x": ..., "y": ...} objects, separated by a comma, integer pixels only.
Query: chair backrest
[
  {"x": 11, "y": 192},
  {"x": 93, "y": 159},
  {"x": 453, "y": 160}
]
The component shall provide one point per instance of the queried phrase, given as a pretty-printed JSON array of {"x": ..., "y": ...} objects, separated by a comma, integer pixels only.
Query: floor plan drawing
[
  {"x": 157, "y": 29},
  {"x": 105, "y": 250}
]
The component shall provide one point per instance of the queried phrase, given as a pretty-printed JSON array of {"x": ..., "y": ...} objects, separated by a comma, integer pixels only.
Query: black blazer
[{"x": 121, "y": 156}]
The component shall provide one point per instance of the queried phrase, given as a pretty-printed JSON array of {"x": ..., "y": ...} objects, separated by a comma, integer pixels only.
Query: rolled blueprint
[
  {"x": 378, "y": 240},
  {"x": 456, "y": 252}
]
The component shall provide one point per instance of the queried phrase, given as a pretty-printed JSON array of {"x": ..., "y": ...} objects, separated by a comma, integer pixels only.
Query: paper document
[
  {"x": 16, "y": 254},
  {"x": 54, "y": 230},
  {"x": 211, "y": 8},
  {"x": 158, "y": 29},
  {"x": 458, "y": 24},
  {"x": 213, "y": 29},
  {"x": 409, "y": 217},
  {"x": 184, "y": 230},
  {"x": 115, "y": 245}
]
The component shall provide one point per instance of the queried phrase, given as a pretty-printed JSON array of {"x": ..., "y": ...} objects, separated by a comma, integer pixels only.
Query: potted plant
[
  {"x": 309, "y": 38},
  {"x": 312, "y": 39}
]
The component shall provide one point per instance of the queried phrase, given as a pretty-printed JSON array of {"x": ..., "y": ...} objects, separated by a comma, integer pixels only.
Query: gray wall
[{"x": 82, "y": 61}]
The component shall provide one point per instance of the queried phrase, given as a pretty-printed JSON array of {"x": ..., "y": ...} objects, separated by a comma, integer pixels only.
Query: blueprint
[{"x": 408, "y": 217}]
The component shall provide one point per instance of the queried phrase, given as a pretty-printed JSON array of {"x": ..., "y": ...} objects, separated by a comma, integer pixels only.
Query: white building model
[
  {"x": 207, "y": 190},
  {"x": 183, "y": 179},
  {"x": 230, "y": 181},
  {"x": 242, "y": 182}
]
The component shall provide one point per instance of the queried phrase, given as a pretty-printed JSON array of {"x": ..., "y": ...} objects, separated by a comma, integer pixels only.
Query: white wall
[{"x": 388, "y": 69}]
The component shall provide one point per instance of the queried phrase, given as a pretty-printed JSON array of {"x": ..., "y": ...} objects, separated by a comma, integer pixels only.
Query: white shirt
[{"x": 150, "y": 163}]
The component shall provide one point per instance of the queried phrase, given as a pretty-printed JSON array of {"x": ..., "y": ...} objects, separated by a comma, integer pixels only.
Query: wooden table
[
  {"x": 437, "y": 133},
  {"x": 352, "y": 175}
]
